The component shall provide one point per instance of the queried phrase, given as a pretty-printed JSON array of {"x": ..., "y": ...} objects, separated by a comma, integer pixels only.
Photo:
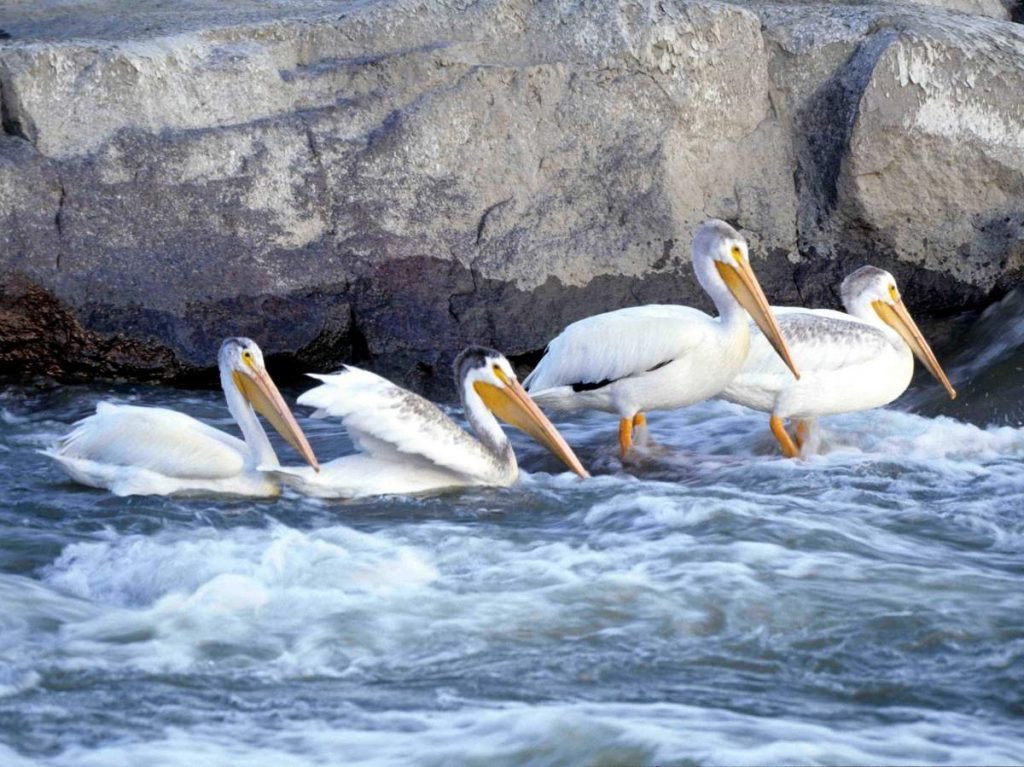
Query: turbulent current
[{"x": 715, "y": 605}]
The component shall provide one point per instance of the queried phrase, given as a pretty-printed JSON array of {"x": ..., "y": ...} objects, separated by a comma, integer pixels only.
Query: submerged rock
[{"x": 386, "y": 182}]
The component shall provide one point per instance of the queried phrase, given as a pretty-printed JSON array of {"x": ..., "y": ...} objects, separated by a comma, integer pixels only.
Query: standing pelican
[
  {"x": 661, "y": 357},
  {"x": 854, "y": 361},
  {"x": 134, "y": 450},
  {"x": 409, "y": 446}
]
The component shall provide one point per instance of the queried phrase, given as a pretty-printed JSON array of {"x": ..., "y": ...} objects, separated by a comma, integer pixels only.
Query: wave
[{"x": 573, "y": 734}]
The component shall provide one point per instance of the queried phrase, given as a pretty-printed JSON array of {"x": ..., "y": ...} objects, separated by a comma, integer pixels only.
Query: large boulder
[
  {"x": 910, "y": 153},
  {"x": 389, "y": 181}
]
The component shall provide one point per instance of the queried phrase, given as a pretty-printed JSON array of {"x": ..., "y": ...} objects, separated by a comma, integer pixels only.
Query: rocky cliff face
[{"x": 384, "y": 182}]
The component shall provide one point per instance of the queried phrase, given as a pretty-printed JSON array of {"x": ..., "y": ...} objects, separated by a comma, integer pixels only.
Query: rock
[
  {"x": 992, "y": 8},
  {"x": 385, "y": 183},
  {"x": 935, "y": 163},
  {"x": 907, "y": 152}
]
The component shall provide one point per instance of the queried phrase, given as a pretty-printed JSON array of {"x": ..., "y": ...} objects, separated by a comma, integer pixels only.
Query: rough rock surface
[{"x": 385, "y": 182}]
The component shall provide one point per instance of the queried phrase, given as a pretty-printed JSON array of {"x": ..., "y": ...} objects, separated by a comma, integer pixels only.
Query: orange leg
[
  {"x": 779, "y": 430},
  {"x": 641, "y": 436},
  {"x": 803, "y": 431},
  {"x": 625, "y": 436}
]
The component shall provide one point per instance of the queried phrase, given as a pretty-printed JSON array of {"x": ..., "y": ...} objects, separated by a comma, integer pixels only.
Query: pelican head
[
  {"x": 871, "y": 291},
  {"x": 487, "y": 373},
  {"x": 719, "y": 245},
  {"x": 241, "y": 362}
]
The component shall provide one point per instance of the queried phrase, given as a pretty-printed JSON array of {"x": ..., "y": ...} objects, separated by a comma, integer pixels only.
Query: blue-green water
[{"x": 718, "y": 606}]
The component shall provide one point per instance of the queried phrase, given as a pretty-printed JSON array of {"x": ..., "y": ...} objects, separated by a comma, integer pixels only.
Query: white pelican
[
  {"x": 848, "y": 362},
  {"x": 134, "y": 450},
  {"x": 409, "y": 446},
  {"x": 661, "y": 357}
]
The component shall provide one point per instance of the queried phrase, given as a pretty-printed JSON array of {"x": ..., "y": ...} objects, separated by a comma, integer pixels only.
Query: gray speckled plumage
[{"x": 859, "y": 281}]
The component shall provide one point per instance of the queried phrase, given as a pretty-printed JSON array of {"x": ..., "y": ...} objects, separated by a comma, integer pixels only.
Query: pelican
[
  {"x": 854, "y": 361},
  {"x": 661, "y": 357},
  {"x": 409, "y": 446},
  {"x": 133, "y": 450}
]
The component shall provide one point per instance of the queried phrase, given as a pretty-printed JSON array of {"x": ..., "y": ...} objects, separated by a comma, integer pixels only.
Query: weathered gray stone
[
  {"x": 389, "y": 181},
  {"x": 995, "y": 9},
  {"x": 935, "y": 164},
  {"x": 874, "y": 185}
]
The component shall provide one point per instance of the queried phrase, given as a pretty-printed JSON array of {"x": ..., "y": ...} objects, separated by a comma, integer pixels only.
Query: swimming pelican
[
  {"x": 854, "y": 361},
  {"x": 661, "y": 357},
  {"x": 134, "y": 450},
  {"x": 409, "y": 446}
]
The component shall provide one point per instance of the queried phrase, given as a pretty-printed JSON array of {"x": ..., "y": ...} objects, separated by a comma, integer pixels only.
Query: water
[{"x": 718, "y": 606}]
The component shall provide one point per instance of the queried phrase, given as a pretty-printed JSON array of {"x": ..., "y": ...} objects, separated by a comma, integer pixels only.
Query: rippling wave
[{"x": 715, "y": 604}]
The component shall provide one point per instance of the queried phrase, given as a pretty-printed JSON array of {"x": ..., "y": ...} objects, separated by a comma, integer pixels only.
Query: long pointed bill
[
  {"x": 744, "y": 286},
  {"x": 898, "y": 318},
  {"x": 263, "y": 395},
  {"x": 513, "y": 405}
]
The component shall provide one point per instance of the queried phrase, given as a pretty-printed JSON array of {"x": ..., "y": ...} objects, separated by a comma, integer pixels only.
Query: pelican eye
[
  {"x": 247, "y": 356},
  {"x": 499, "y": 373},
  {"x": 737, "y": 254},
  {"x": 893, "y": 293}
]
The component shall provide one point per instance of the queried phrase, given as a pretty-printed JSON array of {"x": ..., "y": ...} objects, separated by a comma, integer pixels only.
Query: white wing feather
[
  {"x": 819, "y": 340},
  {"x": 396, "y": 425},
  {"x": 618, "y": 344},
  {"x": 360, "y": 475},
  {"x": 156, "y": 439}
]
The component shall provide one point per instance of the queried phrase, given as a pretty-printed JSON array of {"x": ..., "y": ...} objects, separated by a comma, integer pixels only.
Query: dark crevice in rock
[
  {"x": 826, "y": 124},
  {"x": 482, "y": 224},
  {"x": 833, "y": 245},
  {"x": 1016, "y": 9},
  {"x": 58, "y": 216},
  {"x": 314, "y": 151},
  {"x": 334, "y": 63},
  {"x": 360, "y": 349},
  {"x": 11, "y": 126},
  {"x": 58, "y": 221},
  {"x": 525, "y": 362},
  {"x": 209, "y": 378},
  {"x": 734, "y": 222},
  {"x": 666, "y": 254},
  {"x": 13, "y": 123},
  {"x": 322, "y": 178}
]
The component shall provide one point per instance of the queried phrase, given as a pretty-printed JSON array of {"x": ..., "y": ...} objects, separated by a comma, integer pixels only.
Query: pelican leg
[
  {"x": 625, "y": 436},
  {"x": 641, "y": 436},
  {"x": 803, "y": 432},
  {"x": 779, "y": 430}
]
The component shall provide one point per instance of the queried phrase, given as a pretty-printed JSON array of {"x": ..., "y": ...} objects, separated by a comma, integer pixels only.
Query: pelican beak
[
  {"x": 259, "y": 390},
  {"x": 744, "y": 286},
  {"x": 897, "y": 317},
  {"x": 513, "y": 405}
]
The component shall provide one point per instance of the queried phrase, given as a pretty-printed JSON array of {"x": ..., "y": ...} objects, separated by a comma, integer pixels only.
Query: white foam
[
  {"x": 720, "y": 428},
  {"x": 664, "y": 511},
  {"x": 276, "y": 593},
  {"x": 583, "y": 733}
]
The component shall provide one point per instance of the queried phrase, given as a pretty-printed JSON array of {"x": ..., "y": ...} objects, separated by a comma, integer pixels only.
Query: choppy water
[{"x": 723, "y": 606}]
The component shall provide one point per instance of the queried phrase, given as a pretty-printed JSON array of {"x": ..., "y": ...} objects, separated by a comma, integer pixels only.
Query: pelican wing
[
  {"x": 820, "y": 339},
  {"x": 163, "y": 441},
  {"x": 618, "y": 344},
  {"x": 396, "y": 425}
]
